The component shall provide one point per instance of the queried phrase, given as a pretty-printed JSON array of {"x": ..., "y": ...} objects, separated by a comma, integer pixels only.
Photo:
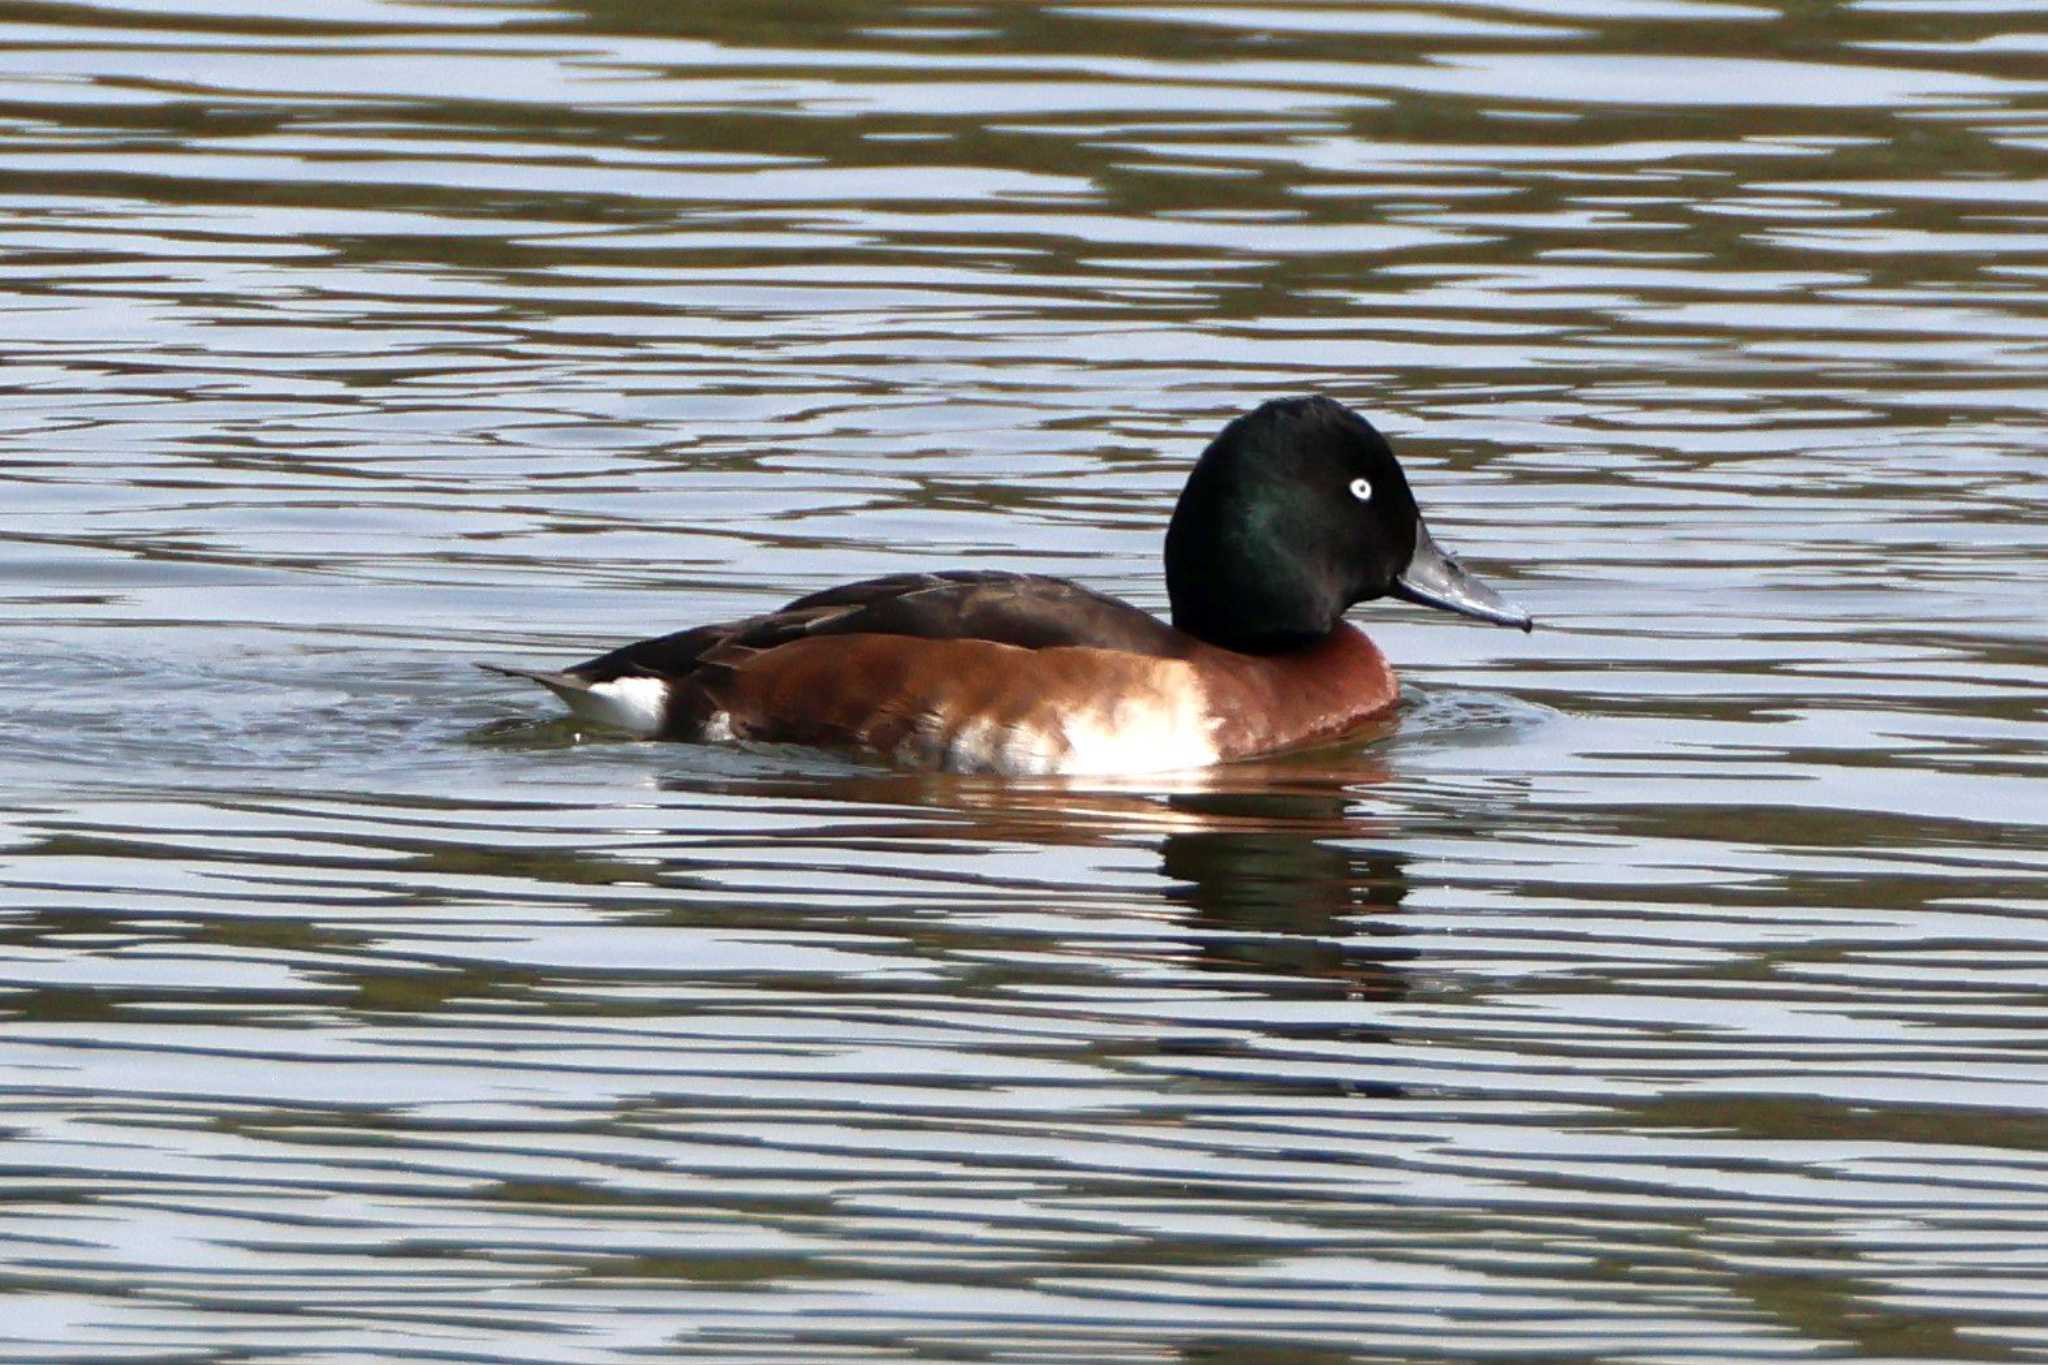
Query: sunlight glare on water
[{"x": 1667, "y": 984}]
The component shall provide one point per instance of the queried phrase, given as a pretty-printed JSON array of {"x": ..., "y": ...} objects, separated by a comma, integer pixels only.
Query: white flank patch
[
  {"x": 1137, "y": 737},
  {"x": 1161, "y": 729},
  {"x": 1027, "y": 751},
  {"x": 972, "y": 748},
  {"x": 979, "y": 745},
  {"x": 983, "y": 746},
  {"x": 639, "y": 706}
]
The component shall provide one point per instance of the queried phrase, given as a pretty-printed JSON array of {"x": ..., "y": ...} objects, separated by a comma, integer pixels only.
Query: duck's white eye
[{"x": 1361, "y": 490}]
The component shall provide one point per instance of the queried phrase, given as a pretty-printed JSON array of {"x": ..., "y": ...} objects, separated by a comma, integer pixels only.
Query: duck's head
[{"x": 1297, "y": 511}]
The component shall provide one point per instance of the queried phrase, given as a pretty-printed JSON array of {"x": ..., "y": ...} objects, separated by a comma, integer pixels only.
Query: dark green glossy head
[{"x": 1296, "y": 511}]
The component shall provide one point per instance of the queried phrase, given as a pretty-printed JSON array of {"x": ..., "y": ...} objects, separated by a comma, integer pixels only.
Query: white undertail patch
[{"x": 637, "y": 705}]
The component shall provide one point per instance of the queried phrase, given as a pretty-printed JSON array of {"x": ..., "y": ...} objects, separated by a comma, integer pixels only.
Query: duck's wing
[{"x": 1030, "y": 611}]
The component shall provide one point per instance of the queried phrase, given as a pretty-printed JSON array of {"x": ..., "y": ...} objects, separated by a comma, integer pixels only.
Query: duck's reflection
[
  {"x": 1288, "y": 898},
  {"x": 1279, "y": 865}
]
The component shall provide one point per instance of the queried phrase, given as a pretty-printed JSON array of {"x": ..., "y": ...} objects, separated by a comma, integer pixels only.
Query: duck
[{"x": 1296, "y": 512}]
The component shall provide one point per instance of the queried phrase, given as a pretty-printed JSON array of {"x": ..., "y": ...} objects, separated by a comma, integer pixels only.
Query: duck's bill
[{"x": 1434, "y": 579}]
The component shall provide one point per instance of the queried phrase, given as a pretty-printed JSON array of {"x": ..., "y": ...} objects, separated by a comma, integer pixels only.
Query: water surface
[{"x": 1667, "y": 985}]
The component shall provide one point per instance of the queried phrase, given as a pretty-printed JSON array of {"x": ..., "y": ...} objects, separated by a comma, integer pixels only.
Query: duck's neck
[
  {"x": 1263, "y": 643},
  {"x": 1251, "y": 588}
]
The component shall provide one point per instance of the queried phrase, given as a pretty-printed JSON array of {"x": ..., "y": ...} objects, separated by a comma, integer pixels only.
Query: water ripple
[{"x": 1662, "y": 985}]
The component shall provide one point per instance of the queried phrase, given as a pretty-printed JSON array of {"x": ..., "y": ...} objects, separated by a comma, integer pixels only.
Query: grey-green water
[{"x": 1669, "y": 986}]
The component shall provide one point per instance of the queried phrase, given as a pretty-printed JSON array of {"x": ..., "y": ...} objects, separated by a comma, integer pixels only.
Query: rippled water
[{"x": 1669, "y": 985}]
